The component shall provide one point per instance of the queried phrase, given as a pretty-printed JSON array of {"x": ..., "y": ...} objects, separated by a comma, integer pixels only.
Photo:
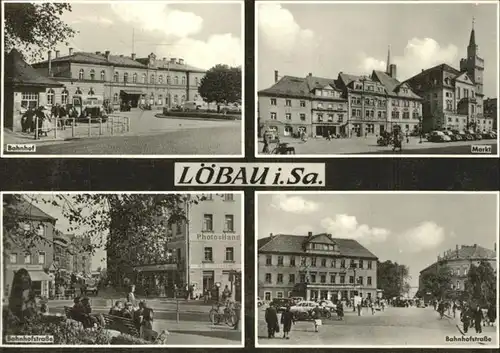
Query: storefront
[
  {"x": 40, "y": 281},
  {"x": 158, "y": 280}
]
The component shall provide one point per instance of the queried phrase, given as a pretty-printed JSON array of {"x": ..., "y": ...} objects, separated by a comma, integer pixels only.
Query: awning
[
  {"x": 39, "y": 276},
  {"x": 131, "y": 92}
]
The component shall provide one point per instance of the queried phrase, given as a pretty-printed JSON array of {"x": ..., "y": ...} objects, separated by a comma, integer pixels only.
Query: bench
[{"x": 121, "y": 324}]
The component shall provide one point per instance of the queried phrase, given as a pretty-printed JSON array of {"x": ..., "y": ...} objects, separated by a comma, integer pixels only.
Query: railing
[{"x": 111, "y": 126}]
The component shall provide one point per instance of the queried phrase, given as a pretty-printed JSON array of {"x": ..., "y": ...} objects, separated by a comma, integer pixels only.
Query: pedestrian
[
  {"x": 131, "y": 296},
  {"x": 492, "y": 314},
  {"x": 372, "y": 306},
  {"x": 407, "y": 137},
  {"x": 266, "y": 143},
  {"x": 287, "y": 321},
  {"x": 116, "y": 310},
  {"x": 465, "y": 318},
  {"x": 340, "y": 311},
  {"x": 478, "y": 316},
  {"x": 454, "y": 309},
  {"x": 316, "y": 315},
  {"x": 147, "y": 332},
  {"x": 271, "y": 317}
]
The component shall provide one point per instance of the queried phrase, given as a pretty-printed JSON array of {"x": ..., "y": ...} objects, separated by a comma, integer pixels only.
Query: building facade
[
  {"x": 454, "y": 99},
  {"x": 459, "y": 261},
  {"x": 119, "y": 78},
  {"x": 319, "y": 266},
  {"x": 37, "y": 260},
  {"x": 491, "y": 111},
  {"x": 204, "y": 252}
]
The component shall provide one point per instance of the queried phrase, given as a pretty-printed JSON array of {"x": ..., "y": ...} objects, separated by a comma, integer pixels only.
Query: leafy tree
[
  {"x": 437, "y": 283},
  {"x": 34, "y": 28},
  {"x": 481, "y": 284},
  {"x": 221, "y": 84},
  {"x": 392, "y": 278}
]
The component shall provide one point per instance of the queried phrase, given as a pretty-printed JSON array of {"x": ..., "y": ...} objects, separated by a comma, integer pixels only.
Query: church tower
[{"x": 473, "y": 64}]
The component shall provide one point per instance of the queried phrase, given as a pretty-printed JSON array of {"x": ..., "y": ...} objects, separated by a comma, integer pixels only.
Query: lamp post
[{"x": 420, "y": 128}]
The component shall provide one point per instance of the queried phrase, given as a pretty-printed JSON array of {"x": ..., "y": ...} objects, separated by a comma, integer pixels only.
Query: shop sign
[
  {"x": 218, "y": 237},
  {"x": 211, "y": 266},
  {"x": 26, "y": 267}
]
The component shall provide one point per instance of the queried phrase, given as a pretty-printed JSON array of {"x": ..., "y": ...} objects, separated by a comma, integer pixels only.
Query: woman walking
[{"x": 287, "y": 321}]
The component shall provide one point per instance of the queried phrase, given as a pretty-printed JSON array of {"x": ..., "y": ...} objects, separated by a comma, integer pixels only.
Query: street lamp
[{"x": 420, "y": 125}]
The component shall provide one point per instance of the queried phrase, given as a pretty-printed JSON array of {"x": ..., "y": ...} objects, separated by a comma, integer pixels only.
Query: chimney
[
  {"x": 181, "y": 61},
  {"x": 271, "y": 235},
  {"x": 392, "y": 70},
  {"x": 107, "y": 52},
  {"x": 98, "y": 53},
  {"x": 70, "y": 51},
  {"x": 309, "y": 234},
  {"x": 495, "y": 247},
  {"x": 329, "y": 236},
  {"x": 275, "y": 76},
  {"x": 133, "y": 56},
  {"x": 310, "y": 74},
  {"x": 475, "y": 245},
  {"x": 173, "y": 60},
  {"x": 121, "y": 55},
  {"x": 164, "y": 59},
  {"x": 49, "y": 59},
  {"x": 58, "y": 52}
]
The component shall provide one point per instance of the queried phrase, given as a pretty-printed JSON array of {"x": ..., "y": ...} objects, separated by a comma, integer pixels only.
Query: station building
[{"x": 322, "y": 266}]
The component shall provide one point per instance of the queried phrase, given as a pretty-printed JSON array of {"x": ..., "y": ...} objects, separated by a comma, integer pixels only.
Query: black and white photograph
[
  {"x": 122, "y": 78},
  {"x": 377, "y": 269},
  {"x": 375, "y": 78},
  {"x": 127, "y": 269}
]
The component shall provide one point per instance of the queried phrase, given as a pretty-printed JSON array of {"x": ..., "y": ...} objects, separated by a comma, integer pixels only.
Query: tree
[
  {"x": 481, "y": 284},
  {"x": 392, "y": 278},
  {"x": 438, "y": 283},
  {"x": 34, "y": 28},
  {"x": 221, "y": 84}
]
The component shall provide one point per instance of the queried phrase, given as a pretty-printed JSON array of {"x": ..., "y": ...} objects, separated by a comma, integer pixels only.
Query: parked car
[
  {"x": 260, "y": 302},
  {"x": 296, "y": 300},
  {"x": 478, "y": 136},
  {"x": 281, "y": 304},
  {"x": 451, "y": 135},
  {"x": 328, "y": 304},
  {"x": 438, "y": 136},
  {"x": 303, "y": 307}
]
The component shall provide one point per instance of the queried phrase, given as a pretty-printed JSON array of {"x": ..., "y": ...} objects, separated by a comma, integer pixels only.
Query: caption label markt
[{"x": 250, "y": 174}]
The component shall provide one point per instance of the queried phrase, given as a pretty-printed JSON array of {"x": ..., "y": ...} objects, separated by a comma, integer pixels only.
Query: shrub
[
  {"x": 127, "y": 339},
  {"x": 22, "y": 303}
]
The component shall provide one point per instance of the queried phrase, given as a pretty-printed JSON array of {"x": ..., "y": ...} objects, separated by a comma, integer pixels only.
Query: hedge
[{"x": 200, "y": 115}]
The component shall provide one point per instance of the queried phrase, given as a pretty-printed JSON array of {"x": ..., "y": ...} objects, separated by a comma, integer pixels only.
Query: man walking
[{"x": 271, "y": 320}]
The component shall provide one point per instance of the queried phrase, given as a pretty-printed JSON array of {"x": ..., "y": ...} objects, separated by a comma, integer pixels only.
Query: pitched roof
[
  {"x": 289, "y": 86},
  {"x": 30, "y": 211},
  {"x": 286, "y": 243},
  {"x": 439, "y": 67},
  {"x": 320, "y": 82},
  {"x": 469, "y": 252},
  {"x": 18, "y": 72},
  {"x": 392, "y": 85},
  {"x": 348, "y": 78},
  {"x": 119, "y": 60}
]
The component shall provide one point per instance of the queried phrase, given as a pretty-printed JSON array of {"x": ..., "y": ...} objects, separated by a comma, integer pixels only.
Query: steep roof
[
  {"x": 286, "y": 243},
  {"x": 30, "y": 211},
  {"x": 348, "y": 78},
  {"x": 439, "y": 67},
  {"x": 19, "y": 73},
  {"x": 289, "y": 86},
  {"x": 314, "y": 82},
  {"x": 392, "y": 85}
]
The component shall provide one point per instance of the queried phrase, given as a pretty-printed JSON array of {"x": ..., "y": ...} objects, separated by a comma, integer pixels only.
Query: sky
[
  {"x": 202, "y": 34},
  {"x": 324, "y": 39},
  {"x": 63, "y": 224},
  {"x": 407, "y": 228}
]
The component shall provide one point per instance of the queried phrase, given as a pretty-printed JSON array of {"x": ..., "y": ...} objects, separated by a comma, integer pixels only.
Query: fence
[{"x": 82, "y": 127}]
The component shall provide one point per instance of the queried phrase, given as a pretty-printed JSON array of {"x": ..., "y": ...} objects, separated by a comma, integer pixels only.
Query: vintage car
[
  {"x": 87, "y": 107},
  {"x": 438, "y": 136}
]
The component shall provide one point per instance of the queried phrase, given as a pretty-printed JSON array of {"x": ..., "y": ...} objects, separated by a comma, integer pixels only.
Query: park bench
[{"x": 121, "y": 324}]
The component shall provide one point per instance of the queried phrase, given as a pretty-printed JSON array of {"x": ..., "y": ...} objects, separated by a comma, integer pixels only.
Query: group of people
[
  {"x": 273, "y": 324},
  {"x": 45, "y": 115},
  {"x": 142, "y": 315},
  {"x": 471, "y": 314},
  {"x": 82, "y": 312}
]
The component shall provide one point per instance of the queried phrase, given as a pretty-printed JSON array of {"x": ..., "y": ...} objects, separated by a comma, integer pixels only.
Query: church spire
[
  {"x": 387, "y": 70},
  {"x": 472, "y": 40}
]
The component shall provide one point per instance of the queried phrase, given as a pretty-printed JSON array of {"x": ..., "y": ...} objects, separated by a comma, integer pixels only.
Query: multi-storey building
[
  {"x": 82, "y": 257},
  {"x": 459, "y": 261},
  {"x": 119, "y": 78},
  {"x": 36, "y": 260},
  {"x": 312, "y": 104},
  {"x": 202, "y": 252},
  {"x": 491, "y": 111},
  {"x": 453, "y": 99},
  {"x": 63, "y": 254},
  {"x": 327, "y": 267}
]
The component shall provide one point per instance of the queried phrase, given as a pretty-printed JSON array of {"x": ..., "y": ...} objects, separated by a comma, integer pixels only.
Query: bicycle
[{"x": 228, "y": 316}]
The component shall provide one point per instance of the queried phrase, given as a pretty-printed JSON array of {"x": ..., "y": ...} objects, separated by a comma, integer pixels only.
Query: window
[
  {"x": 183, "y": 98},
  {"x": 273, "y": 116},
  {"x": 144, "y": 78},
  {"x": 269, "y": 260},
  {"x": 279, "y": 295},
  {"x": 273, "y": 101},
  {"x": 351, "y": 279},
  {"x": 41, "y": 258},
  {"x": 313, "y": 261},
  {"x": 323, "y": 262},
  {"x": 50, "y": 97},
  {"x": 13, "y": 258},
  {"x": 176, "y": 80},
  {"x": 291, "y": 278},
  {"x": 27, "y": 258},
  {"x": 176, "y": 99},
  {"x": 302, "y": 278},
  {"x": 333, "y": 263},
  {"x": 160, "y": 79},
  {"x": 332, "y": 278},
  {"x": 41, "y": 230},
  {"x": 29, "y": 100},
  {"x": 152, "y": 79},
  {"x": 313, "y": 278},
  {"x": 160, "y": 99},
  {"x": 292, "y": 261},
  {"x": 303, "y": 261},
  {"x": 330, "y": 117},
  {"x": 302, "y": 104},
  {"x": 369, "y": 265},
  {"x": 196, "y": 81},
  {"x": 342, "y": 263},
  {"x": 178, "y": 227},
  {"x": 229, "y": 223},
  {"x": 279, "y": 278},
  {"x": 116, "y": 77},
  {"x": 302, "y": 117},
  {"x": 183, "y": 80},
  {"x": 115, "y": 98},
  {"x": 208, "y": 254},
  {"x": 230, "y": 254},
  {"x": 280, "y": 260},
  {"x": 81, "y": 74},
  {"x": 268, "y": 278},
  {"x": 369, "y": 281},
  {"x": 322, "y": 278},
  {"x": 360, "y": 280},
  {"x": 360, "y": 263},
  {"x": 320, "y": 117},
  {"x": 320, "y": 105},
  {"x": 288, "y": 116},
  {"x": 228, "y": 197},
  {"x": 103, "y": 75},
  {"x": 288, "y": 103},
  {"x": 342, "y": 279},
  {"x": 168, "y": 79},
  {"x": 125, "y": 77},
  {"x": 207, "y": 223},
  {"x": 91, "y": 92}
]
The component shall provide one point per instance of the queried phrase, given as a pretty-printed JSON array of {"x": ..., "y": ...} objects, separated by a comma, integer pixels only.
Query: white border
[
  {"x": 368, "y": 155},
  {"x": 423, "y": 346},
  {"x": 181, "y": 156},
  {"x": 167, "y": 346}
]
